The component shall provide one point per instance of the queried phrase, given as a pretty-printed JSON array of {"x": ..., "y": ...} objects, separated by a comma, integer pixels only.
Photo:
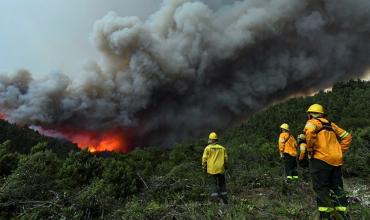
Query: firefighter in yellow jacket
[
  {"x": 288, "y": 152},
  {"x": 326, "y": 162},
  {"x": 214, "y": 162}
]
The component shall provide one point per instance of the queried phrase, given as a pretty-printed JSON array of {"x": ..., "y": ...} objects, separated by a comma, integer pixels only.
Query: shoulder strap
[
  {"x": 287, "y": 139},
  {"x": 325, "y": 126}
]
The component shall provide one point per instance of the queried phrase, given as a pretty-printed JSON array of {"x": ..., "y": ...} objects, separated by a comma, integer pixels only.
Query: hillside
[
  {"x": 155, "y": 183},
  {"x": 23, "y": 138}
]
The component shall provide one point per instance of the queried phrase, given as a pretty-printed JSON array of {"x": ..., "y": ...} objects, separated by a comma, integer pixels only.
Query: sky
[{"x": 47, "y": 36}]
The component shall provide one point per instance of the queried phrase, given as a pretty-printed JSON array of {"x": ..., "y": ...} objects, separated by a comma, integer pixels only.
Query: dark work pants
[
  {"x": 290, "y": 166},
  {"x": 218, "y": 186},
  {"x": 328, "y": 185}
]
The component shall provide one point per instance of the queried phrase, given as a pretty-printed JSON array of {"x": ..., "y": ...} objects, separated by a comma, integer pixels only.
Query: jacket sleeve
[
  {"x": 282, "y": 140},
  {"x": 310, "y": 132},
  {"x": 345, "y": 137},
  {"x": 302, "y": 150},
  {"x": 205, "y": 158}
]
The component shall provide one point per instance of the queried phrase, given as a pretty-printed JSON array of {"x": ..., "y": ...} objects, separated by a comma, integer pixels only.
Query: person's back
[
  {"x": 287, "y": 143},
  {"x": 215, "y": 157},
  {"x": 287, "y": 148},
  {"x": 214, "y": 162},
  {"x": 322, "y": 137},
  {"x": 326, "y": 143}
]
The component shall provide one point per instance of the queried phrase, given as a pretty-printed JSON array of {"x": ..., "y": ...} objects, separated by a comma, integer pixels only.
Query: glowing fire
[
  {"x": 110, "y": 140},
  {"x": 115, "y": 139}
]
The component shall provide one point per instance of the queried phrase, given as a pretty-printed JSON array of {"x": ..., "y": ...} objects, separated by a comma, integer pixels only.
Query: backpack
[{"x": 325, "y": 126}]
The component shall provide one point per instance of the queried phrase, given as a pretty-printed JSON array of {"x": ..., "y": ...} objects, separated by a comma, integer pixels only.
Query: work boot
[
  {"x": 289, "y": 179},
  {"x": 223, "y": 199},
  {"x": 343, "y": 215},
  {"x": 325, "y": 216}
]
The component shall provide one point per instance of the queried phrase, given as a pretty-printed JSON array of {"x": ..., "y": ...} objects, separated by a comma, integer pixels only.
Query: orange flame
[
  {"x": 2, "y": 116},
  {"x": 110, "y": 140},
  {"x": 115, "y": 139}
]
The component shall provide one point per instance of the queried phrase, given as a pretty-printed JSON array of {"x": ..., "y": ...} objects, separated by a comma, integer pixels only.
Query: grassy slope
[
  {"x": 169, "y": 184},
  {"x": 254, "y": 180}
]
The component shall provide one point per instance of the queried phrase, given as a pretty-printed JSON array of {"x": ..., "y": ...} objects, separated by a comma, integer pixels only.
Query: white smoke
[{"x": 191, "y": 68}]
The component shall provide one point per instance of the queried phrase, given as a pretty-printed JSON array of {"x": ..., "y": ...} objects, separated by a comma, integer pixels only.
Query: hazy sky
[
  {"x": 46, "y": 36},
  {"x": 53, "y": 35}
]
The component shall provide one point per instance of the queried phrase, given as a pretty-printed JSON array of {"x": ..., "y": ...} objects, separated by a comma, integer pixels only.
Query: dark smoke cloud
[{"x": 191, "y": 68}]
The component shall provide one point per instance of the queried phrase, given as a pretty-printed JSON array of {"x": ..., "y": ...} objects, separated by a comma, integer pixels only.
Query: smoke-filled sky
[
  {"x": 47, "y": 36},
  {"x": 190, "y": 67}
]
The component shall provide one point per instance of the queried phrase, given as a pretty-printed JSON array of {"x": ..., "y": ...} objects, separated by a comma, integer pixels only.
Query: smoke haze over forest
[{"x": 192, "y": 67}]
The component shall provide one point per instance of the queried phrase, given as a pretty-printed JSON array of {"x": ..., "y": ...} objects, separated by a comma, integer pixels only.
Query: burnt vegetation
[{"x": 45, "y": 178}]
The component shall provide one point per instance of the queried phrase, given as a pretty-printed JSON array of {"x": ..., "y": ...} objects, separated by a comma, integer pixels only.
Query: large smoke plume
[{"x": 190, "y": 68}]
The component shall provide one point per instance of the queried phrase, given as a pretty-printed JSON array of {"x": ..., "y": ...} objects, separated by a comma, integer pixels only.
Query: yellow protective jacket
[
  {"x": 322, "y": 138},
  {"x": 214, "y": 159},
  {"x": 287, "y": 144},
  {"x": 302, "y": 150}
]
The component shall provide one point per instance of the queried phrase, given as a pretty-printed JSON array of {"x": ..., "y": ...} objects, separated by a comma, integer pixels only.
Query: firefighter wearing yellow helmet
[
  {"x": 327, "y": 143},
  {"x": 287, "y": 148},
  {"x": 214, "y": 162}
]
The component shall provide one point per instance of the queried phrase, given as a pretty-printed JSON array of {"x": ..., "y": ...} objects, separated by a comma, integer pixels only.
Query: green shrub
[
  {"x": 95, "y": 200},
  {"x": 357, "y": 159},
  {"x": 35, "y": 177},
  {"x": 79, "y": 169},
  {"x": 8, "y": 159},
  {"x": 121, "y": 177}
]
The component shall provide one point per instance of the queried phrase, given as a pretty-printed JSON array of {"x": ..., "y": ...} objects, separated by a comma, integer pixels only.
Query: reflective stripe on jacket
[
  {"x": 287, "y": 144},
  {"x": 325, "y": 143},
  {"x": 214, "y": 159}
]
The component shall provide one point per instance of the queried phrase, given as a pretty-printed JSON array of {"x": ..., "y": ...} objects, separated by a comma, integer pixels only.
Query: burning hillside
[
  {"x": 189, "y": 69},
  {"x": 114, "y": 139}
]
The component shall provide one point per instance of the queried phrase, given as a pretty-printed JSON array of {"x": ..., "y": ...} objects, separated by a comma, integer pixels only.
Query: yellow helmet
[
  {"x": 302, "y": 137},
  {"x": 316, "y": 108},
  {"x": 285, "y": 126},
  {"x": 213, "y": 136}
]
